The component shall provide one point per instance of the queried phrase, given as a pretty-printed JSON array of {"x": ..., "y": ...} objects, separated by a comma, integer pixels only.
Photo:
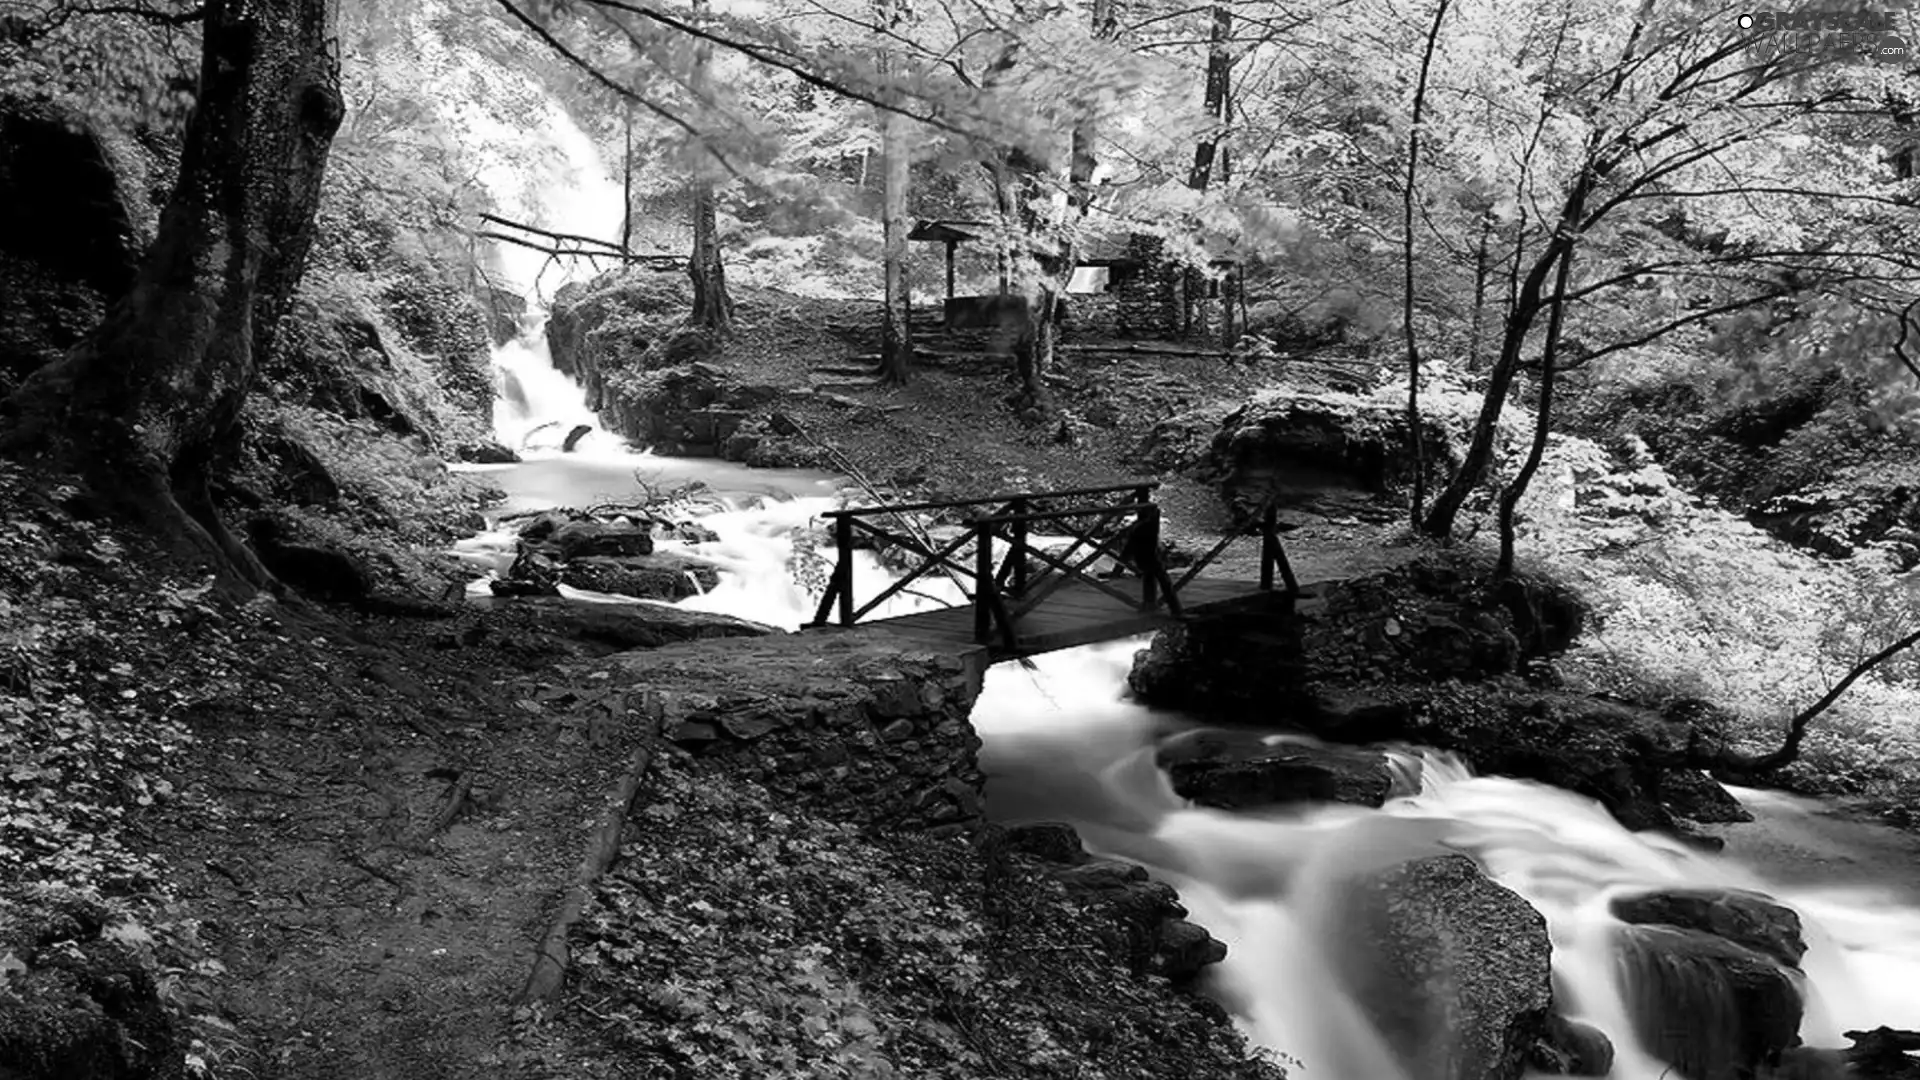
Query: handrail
[
  {"x": 950, "y": 504},
  {"x": 1058, "y": 515},
  {"x": 1003, "y": 590}
]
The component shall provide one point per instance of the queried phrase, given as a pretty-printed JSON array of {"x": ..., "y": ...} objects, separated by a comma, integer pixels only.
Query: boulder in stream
[
  {"x": 1712, "y": 1009},
  {"x": 1450, "y": 966},
  {"x": 1240, "y": 770},
  {"x": 1745, "y": 918},
  {"x": 658, "y": 576},
  {"x": 1571, "y": 1048},
  {"x": 580, "y": 539}
]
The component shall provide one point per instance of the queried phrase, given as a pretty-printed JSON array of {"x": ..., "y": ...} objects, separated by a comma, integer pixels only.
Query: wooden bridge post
[
  {"x": 1269, "y": 546},
  {"x": 1019, "y": 555},
  {"x": 983, "y": 585},
  {"x": 843, "y": 568},
  {"x": 1147, "y": 543}
]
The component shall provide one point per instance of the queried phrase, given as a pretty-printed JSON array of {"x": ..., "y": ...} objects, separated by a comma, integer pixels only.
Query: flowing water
[{"x": 1062, "y": 742}]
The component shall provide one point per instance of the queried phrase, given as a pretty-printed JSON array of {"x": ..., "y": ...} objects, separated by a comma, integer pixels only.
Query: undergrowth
[
  {"x": 94, "y": 699},
  {"x": 741, "y": 938},
  {"x": 1692, "y": 602}
]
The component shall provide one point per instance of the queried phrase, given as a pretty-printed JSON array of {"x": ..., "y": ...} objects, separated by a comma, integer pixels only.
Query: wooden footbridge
[{"x": 1026, "y": 595}]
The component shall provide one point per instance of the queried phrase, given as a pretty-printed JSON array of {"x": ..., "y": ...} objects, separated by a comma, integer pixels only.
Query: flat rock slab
[{"x": 637, "y": 626}]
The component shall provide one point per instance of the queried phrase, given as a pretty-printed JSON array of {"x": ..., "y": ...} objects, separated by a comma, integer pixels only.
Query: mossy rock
[{"x": 78, "y": 996}]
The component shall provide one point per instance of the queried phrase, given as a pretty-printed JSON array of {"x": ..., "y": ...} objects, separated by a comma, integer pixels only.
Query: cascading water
[{"x": 1062, "y": 743}]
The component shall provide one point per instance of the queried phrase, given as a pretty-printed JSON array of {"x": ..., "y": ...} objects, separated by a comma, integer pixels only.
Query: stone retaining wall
[{"x": 860, "y": 726}]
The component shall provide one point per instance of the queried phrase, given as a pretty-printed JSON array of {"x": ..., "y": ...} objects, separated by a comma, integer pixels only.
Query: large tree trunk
[
  {"x": 1214, "y": 100},
  {"x": 712, "y": 306},
  {"x": 1415, "y": 431},
  {"x": 1046, "y": 266},
  {"x": 1206, "y": 152},
  {"x": 146, "y": 404},
  {"x": 896, "y": 318}
]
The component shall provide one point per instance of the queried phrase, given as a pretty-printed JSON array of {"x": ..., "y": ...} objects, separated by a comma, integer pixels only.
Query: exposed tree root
[{"x": 551, "y": 957}]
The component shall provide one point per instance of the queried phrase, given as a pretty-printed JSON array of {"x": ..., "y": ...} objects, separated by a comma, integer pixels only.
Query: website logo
[{"x": 1862, "y": 35}]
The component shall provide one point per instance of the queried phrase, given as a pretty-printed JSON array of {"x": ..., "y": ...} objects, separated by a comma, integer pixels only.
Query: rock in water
[
  {"x": 1236, "y": 770},
  {"x": 1450, "y": 966},
  {"x": 1744, "y": 918},
  {"x": 648, "y": 577},
  {"x": 1712, "y": 1009},
  {"x": 579, "y": 539},
  {"x": 1572, "y": 1048}
]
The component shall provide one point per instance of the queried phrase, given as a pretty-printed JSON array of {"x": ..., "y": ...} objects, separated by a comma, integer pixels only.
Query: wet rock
[
  {"x": 1151, "y": 932},
  {"x": 1713, "y": 1009},
  {"x": 1571, "y": 1048},
  {"x": 1692, "y": 794},
  {"x": 1232, "y": 771},
  {"x": 1182, "y": 949},
  {"x": 1816, "y": 1063},
  {"x": 1745, "y": 918},
  {"x": 1450, "y": 966},
  {"x": 693, "y": 532},
  {"x": 658, "y": 576},
  {"x": 542, "y": 526},
  {"x": 581, "y": 539},
  {"x": 1048, "y": 841},
  {"x": 1884, "y": 1054},
  {"x": 78, "y": 1001}
]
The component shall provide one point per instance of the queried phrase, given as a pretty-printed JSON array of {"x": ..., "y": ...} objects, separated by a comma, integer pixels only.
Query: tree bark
[
  {"x": 1080, "y": 170},
  {"x": 1207, "y": 149},
  {"x": 1481, "y": 272},
  {"x": 1219, "y": 69},
  {"x": 712, "y": 305},
  {"x": 1414, "y": 430},
  {"x": 896, "y": 157},
  {"x": 1510, "y": 498},
  {"x": 150, "y": 401}
]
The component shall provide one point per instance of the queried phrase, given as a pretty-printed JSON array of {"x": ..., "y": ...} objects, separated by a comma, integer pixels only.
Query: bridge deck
[{"x": 1075, "y": 614}]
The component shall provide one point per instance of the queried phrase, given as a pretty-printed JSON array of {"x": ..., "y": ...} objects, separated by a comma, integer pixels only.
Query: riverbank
[{"x": 328, "y": 842}]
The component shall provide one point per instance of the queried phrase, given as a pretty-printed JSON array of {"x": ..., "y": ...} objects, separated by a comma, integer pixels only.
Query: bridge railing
[{"x": 1000, "y": 581}]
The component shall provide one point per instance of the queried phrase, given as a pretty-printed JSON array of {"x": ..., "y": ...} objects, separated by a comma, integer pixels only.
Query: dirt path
[{"x": 380, "y": 845}]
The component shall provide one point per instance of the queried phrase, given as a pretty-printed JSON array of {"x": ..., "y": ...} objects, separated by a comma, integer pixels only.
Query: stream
[{"x": 1063, "y": 742}]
